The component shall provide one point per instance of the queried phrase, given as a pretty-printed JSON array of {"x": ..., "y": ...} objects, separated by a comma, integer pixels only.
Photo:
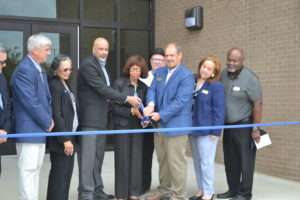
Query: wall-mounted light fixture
[{"x": 194, "y": 18}]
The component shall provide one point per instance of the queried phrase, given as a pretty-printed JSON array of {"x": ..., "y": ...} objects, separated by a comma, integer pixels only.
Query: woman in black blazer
[
  {"x": 64, "y": 113},
  {"x": 129, "y": 147}
]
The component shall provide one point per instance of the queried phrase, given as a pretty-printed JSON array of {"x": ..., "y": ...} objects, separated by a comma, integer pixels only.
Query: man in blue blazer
[
  {"x": 4, "y": 98},
  {"x": 32, "y": 113},
  {"x": 169, "y": 101}
]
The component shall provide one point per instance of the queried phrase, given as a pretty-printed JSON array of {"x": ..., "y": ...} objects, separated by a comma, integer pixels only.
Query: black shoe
[
  {"x": 239, "y": 197},
  {"x": 225, "y": 195},
  {"x": 165, "y": 198},
  {"x": 105, "y": 196},
  {"x": 195, "y": 198}
]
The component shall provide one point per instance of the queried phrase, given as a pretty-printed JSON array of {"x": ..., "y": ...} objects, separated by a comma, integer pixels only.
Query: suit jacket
[
  {"x": 94, "y": 94},
  {"x": 32, "y": 111},
  {"x": 122, "y": 112},
  {"x": 173, "y": 100},
  {"x": 63, "y": 115},
  {"x": 209, "y": 108},
  {"x": 6, "y": 111}
]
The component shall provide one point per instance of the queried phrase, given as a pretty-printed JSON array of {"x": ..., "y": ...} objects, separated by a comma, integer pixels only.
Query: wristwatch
[{"x": 255, "y": 128}]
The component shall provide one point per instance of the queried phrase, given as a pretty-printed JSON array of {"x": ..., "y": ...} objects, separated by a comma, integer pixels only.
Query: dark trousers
[
  {"x": 0, "y": 165},
  {"x": 239, "y": 160},
  {"x": 60, "y": 176},
  {"x": 148, "y": 148},
  {"x": 128, "y": 165},
  {"x": 90, "y": 159}
]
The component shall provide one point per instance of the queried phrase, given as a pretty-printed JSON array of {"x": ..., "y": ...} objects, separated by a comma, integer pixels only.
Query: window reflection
[
  {"x": 58, "y": 9},
  {"x": 134, "y": 43},
  {"x": 135, "y": 11},
  {"x": 100, "y": 10}
]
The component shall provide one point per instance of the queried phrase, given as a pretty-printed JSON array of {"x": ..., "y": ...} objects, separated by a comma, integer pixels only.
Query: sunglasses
[{"x": 68, "y": 69}]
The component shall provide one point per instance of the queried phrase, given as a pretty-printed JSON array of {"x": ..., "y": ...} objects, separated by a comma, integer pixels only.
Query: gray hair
[
  {"x": 37, "y": 41},
  {"x": 3, "y": 49},
  {"x": 177, "y": 47}
]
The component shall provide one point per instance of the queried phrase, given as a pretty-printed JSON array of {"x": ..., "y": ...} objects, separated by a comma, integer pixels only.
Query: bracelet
[{"x": 132, "y": 112}]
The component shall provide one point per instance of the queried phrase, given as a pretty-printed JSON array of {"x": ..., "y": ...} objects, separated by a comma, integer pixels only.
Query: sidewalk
[{"x": 265, "y": 187}]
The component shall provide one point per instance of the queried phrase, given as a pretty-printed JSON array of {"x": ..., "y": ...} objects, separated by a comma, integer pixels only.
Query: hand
[
  {"x": 137, "y": 113},
  {"x": 134, "y": 101},
  {"x": 155, "y": 116},
  {"x": 148, "y": 110},
  {"x": 145, "y": 124},
  {"x": 256, "y": 136},
  {"x": 213, "y": 137},
  {"x": 3, "y": 132},
  {"x": 51, "y": 127},
  {"x": 69, "y": 148}
]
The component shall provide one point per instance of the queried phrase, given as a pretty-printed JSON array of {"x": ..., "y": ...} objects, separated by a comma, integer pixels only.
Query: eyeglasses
[
  {"x": 157, "y": 60},
  {"x": 135, "y": 69},
  {"x": 3, "y": 62},
  {"x": 68, "y": 69}
]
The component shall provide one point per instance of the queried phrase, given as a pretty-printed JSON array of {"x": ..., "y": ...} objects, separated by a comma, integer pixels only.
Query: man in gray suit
[{"x": 94, "y": 93}]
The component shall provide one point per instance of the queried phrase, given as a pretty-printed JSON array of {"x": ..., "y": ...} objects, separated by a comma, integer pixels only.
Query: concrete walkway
[{"x": 265, "y": 187}]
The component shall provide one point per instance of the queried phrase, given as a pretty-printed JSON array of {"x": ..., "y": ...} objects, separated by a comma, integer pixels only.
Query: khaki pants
[{"x": 171, "y": 157}]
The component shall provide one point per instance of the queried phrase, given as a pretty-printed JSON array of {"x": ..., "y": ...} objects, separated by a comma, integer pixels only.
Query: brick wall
[{"x": 269, "y": 33}]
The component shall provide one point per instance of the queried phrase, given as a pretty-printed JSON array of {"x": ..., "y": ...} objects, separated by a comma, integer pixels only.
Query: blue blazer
[
  {"x": 173, "y": 100},
  {"x": 31, "y": 101},
  {"x": 5, "y": 112},
  {"x": 209, "y": 108}
]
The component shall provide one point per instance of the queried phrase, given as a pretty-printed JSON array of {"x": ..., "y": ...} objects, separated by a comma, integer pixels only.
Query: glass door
[{"x": 15, "y": 35}]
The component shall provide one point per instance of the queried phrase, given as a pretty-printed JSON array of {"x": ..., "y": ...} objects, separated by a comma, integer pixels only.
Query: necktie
[
  {"x": 41, "y": 72},
  {"x": 102, "y": 64}
]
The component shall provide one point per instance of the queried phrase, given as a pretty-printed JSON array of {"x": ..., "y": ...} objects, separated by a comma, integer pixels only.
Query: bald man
[{"x": 94, "y": 93}]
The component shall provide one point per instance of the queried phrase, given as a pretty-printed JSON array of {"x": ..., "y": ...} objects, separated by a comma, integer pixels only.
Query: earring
[
  {"x": 54, "y": 73},
  {"x": 213, "y": 75}
]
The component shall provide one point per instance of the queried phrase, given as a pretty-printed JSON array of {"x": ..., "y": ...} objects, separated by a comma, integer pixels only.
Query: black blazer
[
  {"x": 63, "y": 115},
  {"x": 5, "y": 113},
  {"x": 94, "y": 94},
  {"x": 121, "y": 113}
]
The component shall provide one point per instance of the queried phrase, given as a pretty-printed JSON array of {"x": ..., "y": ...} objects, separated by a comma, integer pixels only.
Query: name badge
[
  {"x": 159, "y": 79},
  {"x": 204, "y": 91},
  {"x": 235, "y": 88}
]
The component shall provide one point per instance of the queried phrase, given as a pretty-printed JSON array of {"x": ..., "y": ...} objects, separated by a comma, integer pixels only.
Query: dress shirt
[
  {"x": 102, "y": 64},
  {"x": 38, "y": 67},
  {"x": 75, "y": 120},
  {"x": 170, "y": 72}
]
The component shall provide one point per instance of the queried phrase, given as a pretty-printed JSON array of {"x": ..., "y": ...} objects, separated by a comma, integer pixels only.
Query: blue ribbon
[{"x": 183, "y": 130}]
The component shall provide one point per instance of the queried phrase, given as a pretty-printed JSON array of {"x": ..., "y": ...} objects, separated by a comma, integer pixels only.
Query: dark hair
[
  {"x": 56, "y": 64},
  {"x": 159, "y": 51},
  {"x": 217, "y": 71},
  {"x": 135, "y": 60}
]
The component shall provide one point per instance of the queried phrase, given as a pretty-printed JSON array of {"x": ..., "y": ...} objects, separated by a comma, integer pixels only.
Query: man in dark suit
[
  {"x": 32, "y": 113},
  {"x": 94, "y": 93},
  {"x": 4, "y": 98}
]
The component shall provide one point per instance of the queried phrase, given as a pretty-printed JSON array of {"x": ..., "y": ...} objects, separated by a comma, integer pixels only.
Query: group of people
[{"x": 167, "y": 96}]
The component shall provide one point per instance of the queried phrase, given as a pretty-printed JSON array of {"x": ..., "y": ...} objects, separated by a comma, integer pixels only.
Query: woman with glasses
[
  {"x": 129, "y": 147},
  {"x": 64, "y": 112}
]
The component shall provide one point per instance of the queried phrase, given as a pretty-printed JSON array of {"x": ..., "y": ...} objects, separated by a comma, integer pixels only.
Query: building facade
[{"x": 268, "y": 31}]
